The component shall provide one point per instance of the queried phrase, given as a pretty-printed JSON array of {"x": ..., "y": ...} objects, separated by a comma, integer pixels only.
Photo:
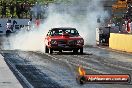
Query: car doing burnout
[{"x": 63, "y": 39}]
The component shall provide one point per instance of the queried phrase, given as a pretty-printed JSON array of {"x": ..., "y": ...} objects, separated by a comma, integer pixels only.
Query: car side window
[{"x": 74, "y": 32}]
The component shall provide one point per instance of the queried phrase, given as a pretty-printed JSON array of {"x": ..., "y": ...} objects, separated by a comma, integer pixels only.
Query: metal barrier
[{"x": 121, "y": 42}]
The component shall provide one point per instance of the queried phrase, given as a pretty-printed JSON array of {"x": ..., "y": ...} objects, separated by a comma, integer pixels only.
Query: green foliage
[
  {"x": 40, "y": 1},
  {"x": 32, "y": 2}
]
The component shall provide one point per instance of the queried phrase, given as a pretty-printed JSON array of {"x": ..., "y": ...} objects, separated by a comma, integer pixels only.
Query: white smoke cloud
[{"x": 81, "y": 14}]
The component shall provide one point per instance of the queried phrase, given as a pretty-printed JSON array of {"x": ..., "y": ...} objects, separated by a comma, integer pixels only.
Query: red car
[{"x": 63, "y": 39}]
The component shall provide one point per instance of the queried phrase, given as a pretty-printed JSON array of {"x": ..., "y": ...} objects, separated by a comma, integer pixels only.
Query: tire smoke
[{"x": 81, "y": 14}]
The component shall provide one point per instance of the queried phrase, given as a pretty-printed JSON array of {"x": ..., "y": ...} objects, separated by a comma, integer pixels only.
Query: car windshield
[{"x": 60, "y": 31}]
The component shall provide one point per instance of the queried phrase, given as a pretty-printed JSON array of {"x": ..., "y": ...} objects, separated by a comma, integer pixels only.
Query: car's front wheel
[
  {"x": 60, "y": 51},
  {"x": 50, "y": 50},
  {"x": 46, "y": 49},
  {"x": 75, "y": 51},
  {"x": 81, "y": 50}
]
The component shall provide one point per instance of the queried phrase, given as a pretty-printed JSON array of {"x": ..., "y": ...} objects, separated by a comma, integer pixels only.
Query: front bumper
[{"x": 66, "y": 47}]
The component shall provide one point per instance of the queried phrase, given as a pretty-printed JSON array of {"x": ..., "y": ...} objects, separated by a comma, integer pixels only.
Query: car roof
[{"x": 63, "y": 28}]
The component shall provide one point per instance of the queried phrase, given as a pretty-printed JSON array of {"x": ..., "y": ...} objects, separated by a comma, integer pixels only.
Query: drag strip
[
  {"x": 59, "y": 70},
  {"x": 95, "y": 64},
  {"x": 28, "y": 75}
]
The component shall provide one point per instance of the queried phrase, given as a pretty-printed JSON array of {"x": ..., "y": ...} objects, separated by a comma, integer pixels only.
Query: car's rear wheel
[
  {"x": 60, "y": 51},
  {"x": 81, "y": 50},
  {"x": 75, "y": 51},
  {"x": 50, "y": 50},
  {"x": 46, "y": 49}
]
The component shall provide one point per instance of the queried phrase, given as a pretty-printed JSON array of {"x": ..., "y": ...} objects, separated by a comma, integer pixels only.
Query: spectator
[
  {"x": 18, "y": 10},
  {"x": 37, "y": 10},
  {"x": 37, "y": 22},
  {"x": 12, "y": 7},
  {"x": 3, "y": 10},
  {"x": 9, "y": 27},
  {"x": 29, "y": 24},
  {"x": 26, "y": 8},
  {"x": 30, "y": 10},
  {"x": 22, "y": 9},
  {"x": 128, "y": 26}
]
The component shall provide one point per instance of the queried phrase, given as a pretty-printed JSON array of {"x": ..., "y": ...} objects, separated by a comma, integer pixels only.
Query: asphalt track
[{"x": 59, "y": 70}]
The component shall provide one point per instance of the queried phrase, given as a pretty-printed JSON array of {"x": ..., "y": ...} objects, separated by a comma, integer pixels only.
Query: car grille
[
  {"x": 62, "y": 42},
  {"x": 72, "y": 42}
]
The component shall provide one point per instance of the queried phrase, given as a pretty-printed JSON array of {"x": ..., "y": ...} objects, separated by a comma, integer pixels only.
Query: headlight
[
  {"x": 80, "y": 41},
  {"x": 53, "y": 42}
]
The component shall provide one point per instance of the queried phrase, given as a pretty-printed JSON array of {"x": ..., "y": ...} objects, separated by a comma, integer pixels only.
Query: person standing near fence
[
  {"x": 9, "y": 27},
  {"x": 37, "y": 22},
  {"x": 29, "y": 24},
  {"x": 18, "y": 10},
  {"x": 12, "y": 7}
]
